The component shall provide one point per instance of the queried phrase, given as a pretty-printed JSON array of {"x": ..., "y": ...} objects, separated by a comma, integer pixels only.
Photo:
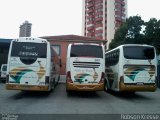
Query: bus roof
[
  {"x": 30, "y": 39},
  {"x": 85, "y": 44},
  {"x": 144, "y": 45},
  {"x": 135, "y": 45}
]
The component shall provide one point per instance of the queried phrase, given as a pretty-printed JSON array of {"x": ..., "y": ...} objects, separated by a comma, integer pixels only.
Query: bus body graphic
[
  {"x": 133, "y": 72},
  {"x": 18, "y": 73},
  {"x": 80, "y": 77}
]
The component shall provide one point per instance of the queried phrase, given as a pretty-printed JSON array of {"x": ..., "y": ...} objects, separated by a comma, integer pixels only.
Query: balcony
[
  {"x": 90, "y": 16},
  {"x": 118, "y": 1},
  {"x": 90, "y": 34},
  {"x": 118, "y": 19},
  {"x": 99, "y": 1},
  {"x": 99, "y": 25},
  {"x": 99, "y": 7},
  {"x": 123, "y": 15},
  {"x": 99, "y": 19},
  {"x": 117, "y": 6},
  {"x": 89, "y": 1},
  {"x": 90, "y": 5},
  {"x": 90, "y": 28},
  {"x": 90, "y": 11},
  {"x": 123, "y": 3},
  {"x": 123, "y": 9},
  {"x": 99, "y": 13},
  {"x": 118, "y": 24},
  {"x": 99, "y": 37},
  {"x": 98, "y": 31},
  {"x": 118, "y": 13},
  {"x": 90, "y": 22}
]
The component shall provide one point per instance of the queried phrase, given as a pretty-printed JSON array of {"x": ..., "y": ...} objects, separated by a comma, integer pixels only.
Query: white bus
[
  {"x": 32, "y": 65},
  {"x": 131, "y": 67},
  {"x": 85, "y": 67}
]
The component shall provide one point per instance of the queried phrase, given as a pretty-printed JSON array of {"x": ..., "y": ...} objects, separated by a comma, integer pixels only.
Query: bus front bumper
[
  {"x": 26, "y": 87},
  {"x": 134, "y": 88},
  {"x": 82, "y": 87}
]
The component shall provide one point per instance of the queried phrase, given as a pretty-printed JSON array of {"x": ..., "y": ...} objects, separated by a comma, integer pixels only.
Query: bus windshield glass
[
  {"x": 86, "y": 51},
  {"x": 138, "y": 52},
  {"x": 29, "y": 50}
]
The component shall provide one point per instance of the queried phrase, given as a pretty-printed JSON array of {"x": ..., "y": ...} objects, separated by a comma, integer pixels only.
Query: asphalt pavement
[{"x": 93, "y": 105}]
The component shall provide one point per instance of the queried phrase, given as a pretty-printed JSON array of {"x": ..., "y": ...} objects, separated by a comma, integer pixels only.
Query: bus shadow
[
  {"x": 129, "y": 95},
  {"x": 82, "y": 94},
  {"x": 30, "y": 94}
]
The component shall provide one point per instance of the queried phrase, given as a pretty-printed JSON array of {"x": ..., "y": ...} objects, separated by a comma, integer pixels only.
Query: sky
[{"x": 58, "y": 17}]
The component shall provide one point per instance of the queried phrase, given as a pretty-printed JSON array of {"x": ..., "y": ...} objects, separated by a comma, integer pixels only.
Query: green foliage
[
  {"x": 136, "y": 31},
  {"x": 119, "y": 36},
  {"x": 152, "y": 33},
  {"x": 135, "y": 24}
]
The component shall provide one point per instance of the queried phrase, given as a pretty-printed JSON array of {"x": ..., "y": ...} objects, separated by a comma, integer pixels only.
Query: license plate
[{"x": 139, "y": 83}]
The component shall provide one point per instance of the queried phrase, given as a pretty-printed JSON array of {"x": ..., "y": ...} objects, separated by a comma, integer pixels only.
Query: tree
[
  {"x": 120, "y": 36},
  {"x": 136, "y": 31},
  {"x": 157, "y": 39},
  {"x": 129, "y": 32},
  {"x": 152, "y": 33},
  {"x": 135, "y": 25}
]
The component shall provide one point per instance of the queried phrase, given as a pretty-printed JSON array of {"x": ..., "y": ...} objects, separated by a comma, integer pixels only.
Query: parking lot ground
[{"x": 58, "y": 102}]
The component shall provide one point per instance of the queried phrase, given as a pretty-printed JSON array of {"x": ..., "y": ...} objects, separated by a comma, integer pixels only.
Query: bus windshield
[
  {"x": 138, "y": 52},
  {"x": 29, "y": 50},
  {"x": 86, "y": 51}
]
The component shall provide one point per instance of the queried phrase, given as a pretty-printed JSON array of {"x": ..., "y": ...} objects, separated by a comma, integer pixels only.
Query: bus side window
[{"x": 112, "y": 58}]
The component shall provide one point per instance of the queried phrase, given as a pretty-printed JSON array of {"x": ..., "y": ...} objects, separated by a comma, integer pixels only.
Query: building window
[{"x": 57, "y": 49}]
